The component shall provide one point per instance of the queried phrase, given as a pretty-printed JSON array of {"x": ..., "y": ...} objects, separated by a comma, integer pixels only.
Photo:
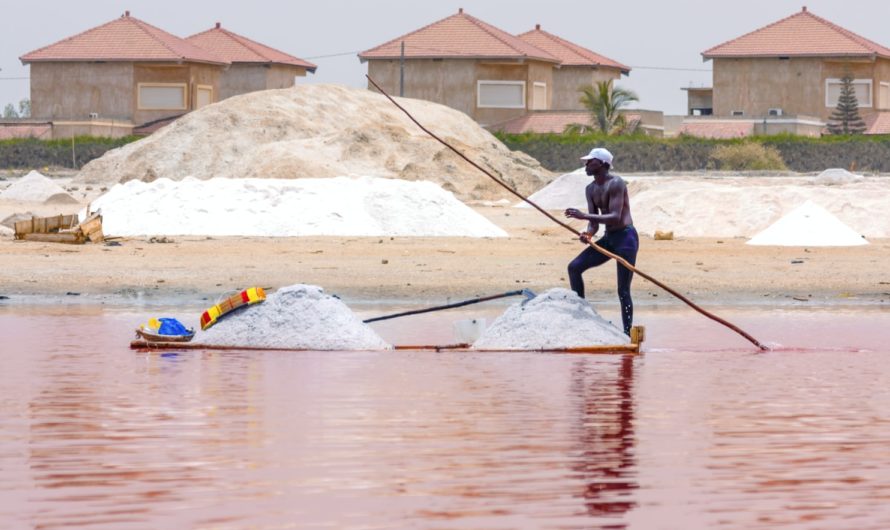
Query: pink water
[{"x": 701, "y": 431}]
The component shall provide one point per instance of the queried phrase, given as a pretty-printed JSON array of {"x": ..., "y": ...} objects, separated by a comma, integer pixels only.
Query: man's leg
[
  {"x": 588, "y": 258},
  {"x": 627, "y": 249}
]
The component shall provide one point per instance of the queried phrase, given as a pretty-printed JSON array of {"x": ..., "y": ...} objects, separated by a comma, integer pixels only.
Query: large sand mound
[{"x": 321, "y": 131}]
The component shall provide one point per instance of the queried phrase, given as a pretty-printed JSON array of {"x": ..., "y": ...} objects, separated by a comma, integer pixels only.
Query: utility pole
[{"x": 402, "y": 71}]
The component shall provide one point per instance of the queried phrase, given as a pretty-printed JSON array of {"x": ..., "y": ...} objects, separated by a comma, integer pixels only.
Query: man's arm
[
  {"x": 616, "y": 191},
  {"x": 592, "y": 226}
]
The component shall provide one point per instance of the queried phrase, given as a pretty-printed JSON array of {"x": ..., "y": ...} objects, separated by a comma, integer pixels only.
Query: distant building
[
  {"x": 528, "y": 82},
  {"x": 128, "y": 76},
  {"x": 253, "y": 66},
  {"x": 785, "y": 77}
]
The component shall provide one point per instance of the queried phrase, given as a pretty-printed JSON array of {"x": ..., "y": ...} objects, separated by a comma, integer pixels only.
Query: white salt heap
[
  {"x": 34, "y": 187},
  {"x": 299, "y": 317},
  {"x": 339, "y": 206},
  {"x": 557, "y": 318},
  {"x": 809, "y": 225},
  {"x": 315, "y": 131},
  {"x": 734, "y": 205}
]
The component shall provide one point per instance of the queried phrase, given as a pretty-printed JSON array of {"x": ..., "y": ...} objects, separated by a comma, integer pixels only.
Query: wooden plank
[
  {"x": 59, "y": 237},
  {"x": 92, "y": 228}
]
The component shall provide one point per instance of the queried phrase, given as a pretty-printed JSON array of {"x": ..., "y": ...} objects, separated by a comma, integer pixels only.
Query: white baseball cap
[{"x": 600, "y": 153}]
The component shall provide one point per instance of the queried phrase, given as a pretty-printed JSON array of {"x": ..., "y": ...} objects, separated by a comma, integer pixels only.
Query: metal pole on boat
[{"x": 524, "y": 292}]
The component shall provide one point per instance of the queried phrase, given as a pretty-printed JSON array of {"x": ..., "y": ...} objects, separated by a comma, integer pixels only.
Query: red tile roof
[
  {"x": 459, "y": 36},
  {"x": 717, "y": 129},
  {"x": 123, "y": 39},
  {"x": 238, "y": 49},
  {"x": 801, "y": 34},
  {"x": 569, "y": 53},
  {"x": 877, "y": 123}
]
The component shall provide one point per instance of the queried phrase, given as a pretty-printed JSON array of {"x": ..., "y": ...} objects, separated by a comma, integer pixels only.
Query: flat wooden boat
[{"x": 637, "y": 336}]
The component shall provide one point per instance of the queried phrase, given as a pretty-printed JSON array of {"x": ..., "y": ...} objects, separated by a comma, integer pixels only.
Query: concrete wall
[
  {"x": 568, "y": 81},
  {"x": 453, "y": 82},
  {"x": 699, "y": 98},
  {"x": 190, "y": 74},
  {"x": 244, "y": 78},
  {"x": 795, "y": 85},
  {"x": 71, "y": 91}
]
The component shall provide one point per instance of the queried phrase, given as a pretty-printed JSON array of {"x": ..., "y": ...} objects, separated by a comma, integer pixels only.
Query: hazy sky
[{"x": 661, "y": 40}]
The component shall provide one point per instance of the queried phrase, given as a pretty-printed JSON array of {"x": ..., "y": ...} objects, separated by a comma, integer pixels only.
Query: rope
[{"x": 598, "y": 248}]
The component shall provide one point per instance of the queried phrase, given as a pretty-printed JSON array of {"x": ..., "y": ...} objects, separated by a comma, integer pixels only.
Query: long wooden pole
[{"x": 598, "y": 248}]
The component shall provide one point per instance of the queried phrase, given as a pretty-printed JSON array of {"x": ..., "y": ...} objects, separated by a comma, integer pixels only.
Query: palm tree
[{"x": 604, "y": 102}]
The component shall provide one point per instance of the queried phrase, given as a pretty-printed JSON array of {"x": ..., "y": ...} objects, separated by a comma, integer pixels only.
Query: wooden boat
[
  {"x": 151, "y": 337},
  {"x": 637, "y": 336}
]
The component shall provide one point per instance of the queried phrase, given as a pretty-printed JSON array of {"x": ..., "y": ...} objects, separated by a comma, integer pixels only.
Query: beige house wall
[
  {"x": 244, "y": 78},
  {"x": 568, "y": 81},
  {"x": 71, "y": 91},
  {"x": 795, "y": 85},
  {"x": 453, "y": 82},
  {"x": 189, "y": 74}
]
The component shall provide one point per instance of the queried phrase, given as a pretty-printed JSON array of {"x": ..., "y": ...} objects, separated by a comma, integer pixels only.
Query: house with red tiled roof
[
  {"x": 109, "y": 79},
  {"x": 487, "y": 73},
  {"x": 578, "y": 67},
  {"x": 127, "y": 76},
  {"x": 253, "y": 66},
  {"x": 786, "y": 77}
]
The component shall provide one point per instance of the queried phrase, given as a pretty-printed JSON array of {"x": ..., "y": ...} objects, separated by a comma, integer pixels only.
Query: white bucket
[{"x": 468, "y": 330}]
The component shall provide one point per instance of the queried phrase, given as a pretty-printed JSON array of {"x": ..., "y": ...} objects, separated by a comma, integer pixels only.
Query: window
[
  {"x": 501, "y": 94},
  {"x": 162, "y": 96},
  {"x": 539, "y": 96},
  {"x": 884, "y": 96},
  {"x": 204, "y": 96},
  {"x": 862, "y": 88},
  {"x": 738, "y": 113}
]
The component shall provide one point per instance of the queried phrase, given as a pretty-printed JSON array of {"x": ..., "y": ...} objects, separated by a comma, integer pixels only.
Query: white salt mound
[
  {"x": 836, "y": 177},
  {"x": 566, "y": 191},
  {"x": 340, "y": 206},
  {"x": 316, "y": 131},
  {"x": 299, "y": 317},
  {"x": 809, "y": 225},
  {"x": 4, "y": 231},
  {"x": 34, "y": 187},
  {"x": 557, "y": 318}
]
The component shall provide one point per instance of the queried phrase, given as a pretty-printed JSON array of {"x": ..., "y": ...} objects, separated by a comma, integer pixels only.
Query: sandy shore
[{"x": 401, "y": 269}]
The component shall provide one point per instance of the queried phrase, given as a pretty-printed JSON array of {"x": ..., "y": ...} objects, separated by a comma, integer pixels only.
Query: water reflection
[{"x": 606, "y": 431}]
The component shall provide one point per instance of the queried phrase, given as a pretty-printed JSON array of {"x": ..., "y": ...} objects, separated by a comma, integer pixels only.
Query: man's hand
[
  {"x": 585, "y": 237},
  {"x": 575, "y": 213}
]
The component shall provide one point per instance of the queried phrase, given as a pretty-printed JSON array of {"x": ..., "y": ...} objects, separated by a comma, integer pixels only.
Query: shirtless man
[{"x": 607, "y": 204}]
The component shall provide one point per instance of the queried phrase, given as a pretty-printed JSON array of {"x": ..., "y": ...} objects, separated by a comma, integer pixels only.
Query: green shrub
[{"x": 747, "y": 156}]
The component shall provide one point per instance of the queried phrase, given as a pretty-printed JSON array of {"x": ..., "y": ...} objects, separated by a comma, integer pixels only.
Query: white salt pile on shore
[
  {"x": 316, "y": 131},
  {"x": 35, "y": 187},
  {"x": 299, "y": 317},
  {"x": 808, "y": 225},
  {"x": 734, "y": 205},
  {"x": 340, "y": 206},
  {"x": 557, "y": 318}
]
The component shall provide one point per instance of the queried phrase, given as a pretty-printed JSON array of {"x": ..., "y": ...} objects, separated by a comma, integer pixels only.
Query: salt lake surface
[{"x": 701, "y": 431}]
